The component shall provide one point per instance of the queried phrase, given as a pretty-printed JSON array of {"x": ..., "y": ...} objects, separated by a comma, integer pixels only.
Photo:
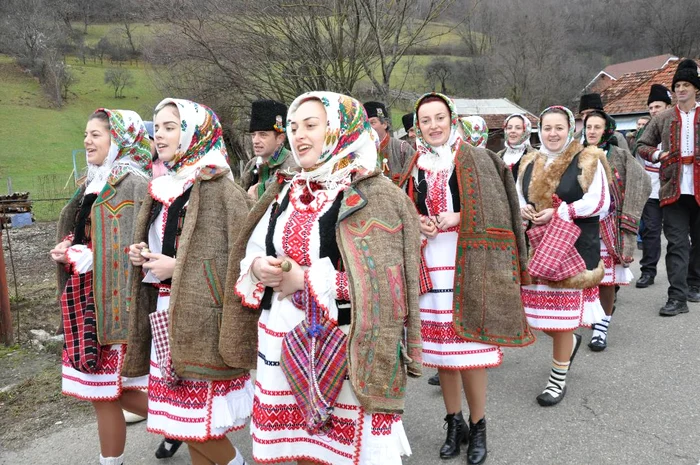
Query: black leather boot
[
  {"x": 167, "y": 448},
  {"x": 476, "y": 451},
  {"x": 457, "y": 432}
]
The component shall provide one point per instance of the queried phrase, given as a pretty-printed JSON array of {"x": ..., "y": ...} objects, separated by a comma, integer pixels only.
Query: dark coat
[{"x": 491, "y": 255}]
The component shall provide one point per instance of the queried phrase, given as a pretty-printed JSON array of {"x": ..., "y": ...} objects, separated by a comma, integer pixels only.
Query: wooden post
[{"x": 5, "y": 315}]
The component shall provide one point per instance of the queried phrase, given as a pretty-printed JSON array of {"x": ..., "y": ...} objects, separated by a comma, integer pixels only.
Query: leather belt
[{"x": 687, "y": 160}]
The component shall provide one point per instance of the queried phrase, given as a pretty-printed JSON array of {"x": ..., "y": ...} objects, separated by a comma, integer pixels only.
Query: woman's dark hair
[
  {"x": 100, "y": 115},
  {"x": 432, "y": 98},
  {"x": 598, "y": 113},
  {"x": 556, "y": 111},
  {"x": 169, "y": 104}
]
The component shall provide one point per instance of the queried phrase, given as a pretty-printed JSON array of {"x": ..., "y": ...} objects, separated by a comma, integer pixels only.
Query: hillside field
[{"x": 37, "y": 141}]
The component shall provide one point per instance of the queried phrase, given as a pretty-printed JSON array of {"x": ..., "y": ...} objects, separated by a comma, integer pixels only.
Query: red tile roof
[
  {"x": 645, "y": 64},
  {"x": 629, "y": 93}
]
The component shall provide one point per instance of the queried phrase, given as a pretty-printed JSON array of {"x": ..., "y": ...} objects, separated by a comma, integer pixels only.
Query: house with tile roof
[
  {"x": 612, "y": 73},
  {"x": 626, "y": 98}
]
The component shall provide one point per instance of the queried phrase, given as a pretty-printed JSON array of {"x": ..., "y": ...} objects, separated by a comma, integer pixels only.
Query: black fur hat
[
  {"x": 376, "y": 109},
  {"x": 590, "y": 102},
  {"x": 268, "y": 115},
  {"x": 659, "y": 93},
  {"x": 407, "y": 121},
  {"x": 687, "y": 71}
]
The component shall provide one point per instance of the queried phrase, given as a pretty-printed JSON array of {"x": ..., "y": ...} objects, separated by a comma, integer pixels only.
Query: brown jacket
[
  {"x": 378, "y": 237},
  {"x": 665, "y": 129},
  {"x": 491, "y": 255},
  {"x": 216, "y": 209},
  {"x": 397, "y": 153},
  {"x": 112, "y": 229},
  {"x": 633, "y": 187}
]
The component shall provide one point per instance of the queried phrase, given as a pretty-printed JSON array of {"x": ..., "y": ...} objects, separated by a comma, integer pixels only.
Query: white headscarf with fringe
[
  {"x": 350, "y": 144},
  {"x": 129, "y": 150}
]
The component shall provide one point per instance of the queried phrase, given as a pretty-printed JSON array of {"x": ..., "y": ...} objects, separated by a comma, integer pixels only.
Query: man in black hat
[
  {"x": 410, "y": 128},
  {"x": 393, "y": 153},
  {"x": 677, "y": 130},
  {"x": 658, "y": 101},
  {"x": 587, "y": 104},
  {"x": 267, "y": 124}
]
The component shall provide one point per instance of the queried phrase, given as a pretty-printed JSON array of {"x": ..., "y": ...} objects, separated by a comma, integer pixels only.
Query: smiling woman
[
  {"x": 97, "y": 138},
  {"x": 563, "y": 189},
  {"x": 167, "y": 129},
  {"x": 306, "y": 254},
  {"x": 184, "y": 233},
  {"x": 308, "y": 133},
  {"x": 471, "y": 283},
  {"x": 94, "y": 300}
]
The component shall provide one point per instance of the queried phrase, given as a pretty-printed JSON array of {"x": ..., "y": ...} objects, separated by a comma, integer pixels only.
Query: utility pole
[{"x": 6, "y": 336}]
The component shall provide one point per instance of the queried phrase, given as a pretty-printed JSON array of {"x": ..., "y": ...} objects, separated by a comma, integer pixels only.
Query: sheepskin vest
[{"x": 569, "y": 176}]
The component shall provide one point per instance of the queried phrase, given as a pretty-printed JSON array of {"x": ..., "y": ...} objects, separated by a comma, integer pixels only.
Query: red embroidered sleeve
[{"x": 341, "y": 288}]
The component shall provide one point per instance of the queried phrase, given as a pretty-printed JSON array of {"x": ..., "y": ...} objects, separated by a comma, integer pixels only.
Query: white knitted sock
[
  {"x": 601, "y": 329},
  {"x": 238, "y": 459},
  {"x": 557, "y": 378},
  {"x": 112, "y": 460}
]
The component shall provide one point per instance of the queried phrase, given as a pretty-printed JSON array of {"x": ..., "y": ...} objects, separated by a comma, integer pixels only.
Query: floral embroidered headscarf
[
  {"x": 572, "y": 128},
  {"x": 129, "y": 150},
  {"x": 475, "y": 131},
  {"x": 608, "y": 133},
  {"x": 524, "y": 140},
  {"x": 201, "y": 152},
  {"x": 439, "y": 158},
  {"x": 350, "y": 142}
]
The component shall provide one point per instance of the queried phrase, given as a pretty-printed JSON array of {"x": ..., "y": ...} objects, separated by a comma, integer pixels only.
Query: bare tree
[
  {"x": 674, "y": 26},
  {"x": 396, "y": 26},
  {"x": 478, "y": 21},
  {"x": 275, "y": 50},
  {"x": 439, "y": 71},
  {"x": 119, "y": 79}
]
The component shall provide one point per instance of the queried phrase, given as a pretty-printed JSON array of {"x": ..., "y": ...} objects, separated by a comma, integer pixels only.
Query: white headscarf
[
  {"x": 515, "y": 151},
  {"x": 350, "y": 142},
  {"x": 128, "y": 150},
  {"x": 201, "y": 152},
  {"x": 569, "y": 137},
  {"x": 441, "y": 158},
  {"x": 476, "y": 132}
]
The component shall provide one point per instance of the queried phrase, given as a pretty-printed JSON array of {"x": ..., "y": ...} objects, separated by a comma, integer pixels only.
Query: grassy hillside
[{"x": 37, "y": 140}]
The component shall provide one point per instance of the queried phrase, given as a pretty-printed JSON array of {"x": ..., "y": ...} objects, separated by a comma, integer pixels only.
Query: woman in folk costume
[
  {"x": 184, "y": 234},
  {"x": 563, "y": 190},
  {"x": 474, "y": 258},
  {"x": 96, "y": 227},
  {"x": 517, "y": 129},
  {"x": 329, "y": 261},
  {"x": 476, "y": 132},
  {"x": 629, "y": 190}
]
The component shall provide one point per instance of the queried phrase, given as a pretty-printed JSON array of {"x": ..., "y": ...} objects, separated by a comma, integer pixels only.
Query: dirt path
[{"x": 30, "y": 380}]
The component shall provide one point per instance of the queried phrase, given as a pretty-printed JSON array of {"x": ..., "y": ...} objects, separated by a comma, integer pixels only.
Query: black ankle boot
[
  {"x": 457, "y": 431},
  {"x": 476, "y": 451},
  {"x": 167, "y": 448}
]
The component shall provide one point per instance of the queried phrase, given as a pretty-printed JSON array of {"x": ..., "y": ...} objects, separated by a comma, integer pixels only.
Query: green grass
[{"x": 37, "y": 140}]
